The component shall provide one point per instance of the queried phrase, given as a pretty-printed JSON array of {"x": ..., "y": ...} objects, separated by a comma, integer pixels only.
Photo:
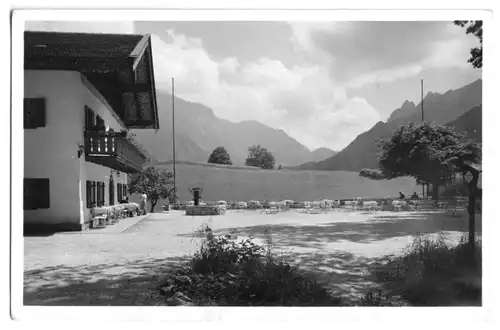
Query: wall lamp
[{"x": 81, "y": 150}]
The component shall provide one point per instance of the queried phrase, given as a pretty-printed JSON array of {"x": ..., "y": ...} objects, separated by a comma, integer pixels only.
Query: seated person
[
  {"x": 414, "y": 196},
  {"x": 401, "y": 196}
]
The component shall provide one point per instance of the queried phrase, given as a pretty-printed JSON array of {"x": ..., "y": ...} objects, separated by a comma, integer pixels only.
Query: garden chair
[
  {"x": 222, "y": 209},
  {"x": 412, "y": 206},
  {"x": 99, "y": 216},
  {"x": 459, "y": 205},
  {"x": 425, "y": 205}
]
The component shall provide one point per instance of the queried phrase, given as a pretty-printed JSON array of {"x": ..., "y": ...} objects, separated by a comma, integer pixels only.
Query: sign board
[{"x": 468, "y": 177}]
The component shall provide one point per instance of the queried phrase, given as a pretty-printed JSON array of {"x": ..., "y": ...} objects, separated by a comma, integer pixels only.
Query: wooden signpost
[{"x": 471, "y": 177}]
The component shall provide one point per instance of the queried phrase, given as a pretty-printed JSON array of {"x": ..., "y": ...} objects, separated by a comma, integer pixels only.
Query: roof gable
[{"x": 120, "y": 66}]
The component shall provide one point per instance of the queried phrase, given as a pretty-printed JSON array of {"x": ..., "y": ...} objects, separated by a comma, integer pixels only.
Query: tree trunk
[
  {"x": 472, "y": 214},
  {"x": 153, "y": 204},
  {"x": 435, "y": 191}
]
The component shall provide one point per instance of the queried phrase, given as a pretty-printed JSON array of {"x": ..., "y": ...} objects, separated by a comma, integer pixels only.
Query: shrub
[
  {"x": 432, "y": 272},
  {"x": 371, "y": 174},
  {"x": 229, "y": 272}
]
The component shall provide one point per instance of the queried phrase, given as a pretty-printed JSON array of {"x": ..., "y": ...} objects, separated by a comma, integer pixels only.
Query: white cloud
[
  {"x": 360, "y": 53},
  {"x": 303, "y": 100}
]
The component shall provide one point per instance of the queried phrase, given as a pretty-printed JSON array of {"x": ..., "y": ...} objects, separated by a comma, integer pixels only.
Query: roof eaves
[{"x": 139, "y": 50}]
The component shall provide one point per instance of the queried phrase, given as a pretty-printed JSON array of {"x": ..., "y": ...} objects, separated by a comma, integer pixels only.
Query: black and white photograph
[{"x": 264, "y": 161}]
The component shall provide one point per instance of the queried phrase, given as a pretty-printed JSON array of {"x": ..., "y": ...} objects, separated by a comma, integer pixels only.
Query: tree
[
  {"x": 220, "y": 156},
  {"x": 475, "y": 28},
  {"x": 430, "y": 153},
  {"x": 260, "y": 157},
  {"x": 155, "y": 183}
]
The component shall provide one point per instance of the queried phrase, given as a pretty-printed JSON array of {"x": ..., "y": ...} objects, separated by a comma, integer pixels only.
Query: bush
[
  {"x": 371, "y": 174},
  {"x": 432, "y": 272},
  {"x": 227, "y": 272},
  {"x": 455, "y": 189}
]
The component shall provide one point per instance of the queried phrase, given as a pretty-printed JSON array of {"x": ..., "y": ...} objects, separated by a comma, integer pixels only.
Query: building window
[
  {"x": 100, "y": 193},
  {"x": 91, "y": 193},
  {"x": 88, "y": 194},
  {"x": 34, "y": 113},
  {"x": 119, "y": 192},
  {"x": 99, "y": 123},
  {"x": 89, "y": 118},
  {"x": 122, "y": 191},
  {"x": 93, "y": 122},
  {"x": 36, "y": 194}
]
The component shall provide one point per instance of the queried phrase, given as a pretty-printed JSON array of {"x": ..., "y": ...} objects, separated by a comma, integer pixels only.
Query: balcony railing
[{"x": 114, "y": 150}]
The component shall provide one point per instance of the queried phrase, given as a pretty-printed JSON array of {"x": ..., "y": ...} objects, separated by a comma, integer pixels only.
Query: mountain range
[
  {"x": 460, "y": 108},
  {"x": 198, "y": 131}
]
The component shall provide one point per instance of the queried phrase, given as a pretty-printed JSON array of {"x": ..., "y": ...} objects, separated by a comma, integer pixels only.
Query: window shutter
[
  {"x": 100, "y": 123},
  {"x": 98, "y": 194},
  {"x": 89, "y": 118},
  {"x": 119, "y": 192},
  {"x": 34, "y": 113},
  {"x": 36, "y": 194},
  {"x": 89, "y": 194},
  {"x": 103, "y": 195},
  {"x": 93, "y": 193}
]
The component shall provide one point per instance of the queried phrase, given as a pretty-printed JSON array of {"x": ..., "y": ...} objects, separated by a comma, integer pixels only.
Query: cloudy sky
[{"x": 322, "y": 82}]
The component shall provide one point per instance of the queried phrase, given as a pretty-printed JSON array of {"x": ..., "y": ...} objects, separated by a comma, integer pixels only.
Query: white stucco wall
[{"x": 51, "y": 151}]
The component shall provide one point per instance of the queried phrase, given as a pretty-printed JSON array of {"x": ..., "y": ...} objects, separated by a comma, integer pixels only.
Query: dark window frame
[
  {"x": 35, "y": 112},
  {"x": 89, "y": 194},
  {"x": 36, "y": 193},
  {"x": 101, "y": 197},
  {"x": 93, "y": 122},
  {"x": 93, "y": 191},
  {"x": 119, "y": 192},
  {"x": 89, "y": 118}
]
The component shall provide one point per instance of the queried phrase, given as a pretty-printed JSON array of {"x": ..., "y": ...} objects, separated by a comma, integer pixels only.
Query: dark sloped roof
[
  {"x": 119, "y": 66},
  {"x": 79, "y": 45}
]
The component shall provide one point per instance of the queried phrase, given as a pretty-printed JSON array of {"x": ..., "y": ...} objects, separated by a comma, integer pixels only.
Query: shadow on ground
[
  {"x": 128, "y": 284},
  {"x": 378, "y": 228},
  {"x": 346, "y": 275}
]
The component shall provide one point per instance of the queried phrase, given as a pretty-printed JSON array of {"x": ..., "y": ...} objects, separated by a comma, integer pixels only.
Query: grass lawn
[{"x": 239, "y": 183}]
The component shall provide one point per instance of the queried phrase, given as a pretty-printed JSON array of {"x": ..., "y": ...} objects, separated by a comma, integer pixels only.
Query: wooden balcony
[{"x": 114, "y": 150}]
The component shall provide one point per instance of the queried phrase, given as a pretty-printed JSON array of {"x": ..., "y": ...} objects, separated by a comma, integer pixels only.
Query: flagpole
[
  {"x": 173, "y": 137},
  {"x": 422, "y": 97},
  {"x": 422, "y": 106}
]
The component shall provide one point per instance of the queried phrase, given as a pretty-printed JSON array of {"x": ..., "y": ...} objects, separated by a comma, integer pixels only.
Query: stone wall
[{"x": 202, "y": 210}]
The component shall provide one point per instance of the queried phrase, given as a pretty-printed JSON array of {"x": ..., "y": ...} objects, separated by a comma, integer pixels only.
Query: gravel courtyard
[{"x": 122, "y": 266}]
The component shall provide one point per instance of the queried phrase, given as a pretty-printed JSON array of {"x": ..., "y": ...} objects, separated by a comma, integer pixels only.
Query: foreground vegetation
[
  {"x": 434, "y": 273},
  {"x": 228, "y": 272}
]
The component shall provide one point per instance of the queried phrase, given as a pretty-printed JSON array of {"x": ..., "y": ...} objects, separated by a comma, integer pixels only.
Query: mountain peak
[
  {"x": 405, "y": 110},
  {"x": 363, "y": 151},
  {"x": 322, "y": 153},
  {"x": 407, "y": 104}
]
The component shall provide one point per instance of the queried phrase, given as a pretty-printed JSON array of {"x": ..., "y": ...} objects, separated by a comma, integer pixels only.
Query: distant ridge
[
  {"x": 440, "y": 108},
  {"x": 199, "y": 131}
]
